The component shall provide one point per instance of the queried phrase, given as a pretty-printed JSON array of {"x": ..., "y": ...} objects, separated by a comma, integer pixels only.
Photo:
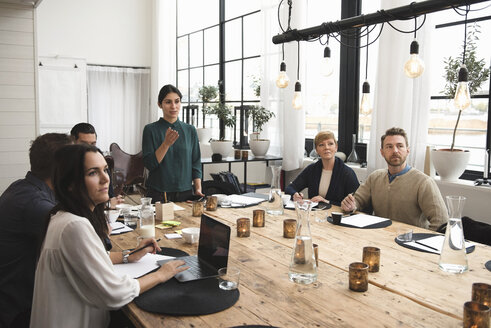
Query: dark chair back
[
  {"x": 128, "y": 169},
  {"x": 211, "y": 187}
]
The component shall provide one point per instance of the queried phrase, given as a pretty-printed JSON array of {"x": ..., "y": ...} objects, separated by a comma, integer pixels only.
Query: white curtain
[
  {"x": 118, "y": 105},
  {"x": 163, "y": 50},
  {"x": 399, "y": 101},
  {"x": 286, "y": 131}
]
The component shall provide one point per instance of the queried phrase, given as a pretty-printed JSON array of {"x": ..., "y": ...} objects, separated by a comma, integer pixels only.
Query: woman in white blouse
[{"x": 75, "y": 283}]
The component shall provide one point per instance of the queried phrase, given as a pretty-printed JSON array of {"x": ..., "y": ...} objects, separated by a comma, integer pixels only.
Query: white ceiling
[{"x": 30, "y": 3}]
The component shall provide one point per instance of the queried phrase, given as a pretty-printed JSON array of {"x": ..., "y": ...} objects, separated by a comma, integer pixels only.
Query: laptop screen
[{"x": 214, "y": 240}]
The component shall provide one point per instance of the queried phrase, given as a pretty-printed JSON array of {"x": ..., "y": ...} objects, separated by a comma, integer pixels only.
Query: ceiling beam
[{"x": 381, "y": 16}]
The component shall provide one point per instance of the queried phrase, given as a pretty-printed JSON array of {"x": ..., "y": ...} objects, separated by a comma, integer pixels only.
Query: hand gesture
[
  {"x": 152, "y": 247},
  {"x": 170, "y": 137},
  {"x": 297, "y": 196}
]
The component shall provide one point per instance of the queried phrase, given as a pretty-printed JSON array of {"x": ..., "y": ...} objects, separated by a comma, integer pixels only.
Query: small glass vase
[
  {"x": 303, "y": 268},
  {"x": 353, "y": 156}
]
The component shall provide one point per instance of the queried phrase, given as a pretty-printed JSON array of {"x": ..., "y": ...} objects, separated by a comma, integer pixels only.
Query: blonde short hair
[{"x": 324, "y": 135}]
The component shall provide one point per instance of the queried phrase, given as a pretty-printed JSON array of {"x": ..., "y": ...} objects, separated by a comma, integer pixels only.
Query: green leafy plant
[
  {"x": 477, "y": 69},
  {"x": 207, "y": 93},
  {"x": 260, "y": 116},
  {"x": 223, "y": 112}
]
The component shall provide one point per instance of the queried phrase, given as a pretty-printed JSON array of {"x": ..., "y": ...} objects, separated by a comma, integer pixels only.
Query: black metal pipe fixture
[{"x": 381, "y": 16}]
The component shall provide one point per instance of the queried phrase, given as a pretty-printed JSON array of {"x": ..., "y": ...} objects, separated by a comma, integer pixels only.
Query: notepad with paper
[
  {"x": 241, "y": 200},
  {"x": 146, "y": 264},
  {"x": 362, "y": 220},
  {"x": 432, "y": 244}
]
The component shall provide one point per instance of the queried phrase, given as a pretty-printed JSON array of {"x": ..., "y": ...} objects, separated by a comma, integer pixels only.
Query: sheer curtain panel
[{"x": 119, "y": 105}]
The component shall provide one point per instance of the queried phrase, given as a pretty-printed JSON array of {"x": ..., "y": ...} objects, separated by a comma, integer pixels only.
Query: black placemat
[
  {"x": 189, "y": 298},
  {"x": 197, "y": 297},
  {"x": 378, "y": 225},
  {"x": 488, "y": 265},
  {"x": 418, "y": 236}
]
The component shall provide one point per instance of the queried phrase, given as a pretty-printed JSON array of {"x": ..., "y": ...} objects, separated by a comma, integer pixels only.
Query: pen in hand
[{"x": 143, "y": 247}]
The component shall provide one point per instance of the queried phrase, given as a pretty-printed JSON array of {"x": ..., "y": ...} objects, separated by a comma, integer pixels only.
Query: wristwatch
[{"x": 126, "y": 254}]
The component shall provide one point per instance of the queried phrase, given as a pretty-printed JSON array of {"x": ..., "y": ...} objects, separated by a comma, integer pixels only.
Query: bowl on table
[{"x": 190, "y": 235}]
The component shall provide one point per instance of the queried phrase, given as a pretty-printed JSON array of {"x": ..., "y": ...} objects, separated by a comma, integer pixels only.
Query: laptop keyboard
[{"x": 195, "y": 267}]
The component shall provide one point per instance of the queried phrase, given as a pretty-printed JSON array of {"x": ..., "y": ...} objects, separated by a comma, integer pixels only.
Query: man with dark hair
[
  {"x": 84, "y": 132},
  {"x": 25, "y": 206},
  {"x": 400, "y": 192}
]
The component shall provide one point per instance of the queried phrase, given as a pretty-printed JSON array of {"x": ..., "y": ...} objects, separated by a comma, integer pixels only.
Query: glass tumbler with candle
[
  {"x": 147, "y": 219},
  {"x": 452, "y": 257},
  {"x": 303, "y": 269}
]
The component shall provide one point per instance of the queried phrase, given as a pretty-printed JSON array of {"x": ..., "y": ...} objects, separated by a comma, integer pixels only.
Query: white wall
[
  {"x": 108, "y": 32},
  {"x": 17, "y": 91}
]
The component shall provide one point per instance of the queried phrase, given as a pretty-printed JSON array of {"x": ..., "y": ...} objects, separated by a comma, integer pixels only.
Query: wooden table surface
[{"x": 408, "y": 291}]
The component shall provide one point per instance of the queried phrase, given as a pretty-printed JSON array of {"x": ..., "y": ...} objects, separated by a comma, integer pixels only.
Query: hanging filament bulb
[
  {"x": 462, "y": 99},
  {"x": 414, "y": 67},
  {"x": 327, "y": 68},
  {"x": 297, "y": 96},
  {"x": 365, "y": 105},
  {"x": 282, "y": 80}
]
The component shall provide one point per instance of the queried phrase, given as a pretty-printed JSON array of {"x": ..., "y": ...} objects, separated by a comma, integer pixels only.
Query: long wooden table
[{"x": 408, "y": 291}]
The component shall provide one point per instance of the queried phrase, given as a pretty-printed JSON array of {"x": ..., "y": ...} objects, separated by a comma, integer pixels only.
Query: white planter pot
[
  {"x": 222, "y": 147},
  {"x": 204, "y": 134},
  {"x": 450, "y": 164},
  {"x": 259, "y": 147}
]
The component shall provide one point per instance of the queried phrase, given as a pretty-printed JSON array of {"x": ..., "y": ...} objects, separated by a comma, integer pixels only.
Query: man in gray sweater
[{"x": 401, "y": 193}]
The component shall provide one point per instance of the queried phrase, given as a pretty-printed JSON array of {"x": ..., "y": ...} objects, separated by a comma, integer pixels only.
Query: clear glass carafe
[
  {"x": 353, "y": 156},
  {"x": 147, "y": 219},
  {"x": 303, "y": 269},
  {"x": 275, "y": 203},
  {"x": 453, "y": 257}
]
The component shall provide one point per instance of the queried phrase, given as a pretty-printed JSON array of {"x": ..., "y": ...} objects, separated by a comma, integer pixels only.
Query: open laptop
[{"x": 214, "y": 241}]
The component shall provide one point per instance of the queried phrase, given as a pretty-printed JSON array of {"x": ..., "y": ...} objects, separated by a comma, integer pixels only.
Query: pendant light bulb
[
  {"x": 282, "y": 80},
  {"x": 327, "y": 68},
  {"x": 365, "y": 105},
  {"x": 414, "y": 67},
  {"x": 297, "y": 97},
  {"x": 462, "y": 99}
]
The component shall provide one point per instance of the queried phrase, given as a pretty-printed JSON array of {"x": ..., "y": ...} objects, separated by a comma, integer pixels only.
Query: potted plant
[
  {"x": 224, "y": 113},
  {"x": 260, "y": 116},
  {"x": 450, "y": 163},
  {"x": 207, "y": 93}
]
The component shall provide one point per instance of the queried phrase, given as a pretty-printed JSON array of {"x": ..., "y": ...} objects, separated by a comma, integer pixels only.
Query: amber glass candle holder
[
  {"x": 258, "y": 218},
  {"x": 358, "y": 277},
  {"x": 371, "y": 256},
  {"x": 243, "y": 227},
  {"x": 245, "y": 155},
  {"x": 211, "y": 203},
  {"x": 481, "y": 293},
  {"x": 237, "y": 154},
  {"x": 198, "y": 208},
  {"x": 476, "y": 315},
  {"x": 289, "y": 228}
]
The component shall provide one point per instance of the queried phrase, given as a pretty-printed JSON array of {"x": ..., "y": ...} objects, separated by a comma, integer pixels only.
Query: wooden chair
[{"x": 128, "y": 170}]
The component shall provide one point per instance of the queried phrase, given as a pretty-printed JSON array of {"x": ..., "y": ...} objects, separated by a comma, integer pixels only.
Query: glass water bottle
[
  {"x": 303, "y": 269},
  {"x": 453, "y": 257},
  {"x": 147, "y": 219},
  {"x": 275, "y": 204}
]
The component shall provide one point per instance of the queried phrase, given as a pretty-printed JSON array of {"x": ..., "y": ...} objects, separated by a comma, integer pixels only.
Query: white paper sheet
[
  {"x": 290, "y": 204},
  {"x": 239, "y": 200},
  {"x": 118, "y": 228},
  {"x": 433, "y": 244},
  {"x": 142, "y": 267},
  {"x": 362, "y": 220}
]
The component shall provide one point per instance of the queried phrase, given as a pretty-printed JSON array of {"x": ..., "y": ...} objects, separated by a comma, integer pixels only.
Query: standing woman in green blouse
[{"x": 171, "y": 152}]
